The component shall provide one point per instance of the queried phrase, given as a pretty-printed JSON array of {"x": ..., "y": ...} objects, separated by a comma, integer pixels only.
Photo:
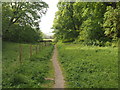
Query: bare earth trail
[{"x": 59, "y": 79}]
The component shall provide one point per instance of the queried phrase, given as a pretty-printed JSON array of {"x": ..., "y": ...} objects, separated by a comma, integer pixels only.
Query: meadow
[
  {"x": 89, "y": 66},
  {"x": 31, "y": 73}
]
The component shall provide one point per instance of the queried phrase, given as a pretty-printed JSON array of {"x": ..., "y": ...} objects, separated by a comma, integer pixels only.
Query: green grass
[
  {"x": 31, "y": 73},
  {"x": 89, "y": 66},
  {"x": 48, "y": 39}
]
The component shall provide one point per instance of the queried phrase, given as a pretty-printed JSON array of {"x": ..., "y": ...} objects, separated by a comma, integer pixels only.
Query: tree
[
  {"x": 112, "y": 22},
  {"x": 64, "y": 23},
  {"x": 92, "y": 23},
  {"x": 21, "y": 14}
]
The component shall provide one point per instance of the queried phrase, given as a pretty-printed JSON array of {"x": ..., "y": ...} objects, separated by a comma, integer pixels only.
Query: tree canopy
[
  {"x": 20, "y": 20},
  {"x": 91, "y": 22}
]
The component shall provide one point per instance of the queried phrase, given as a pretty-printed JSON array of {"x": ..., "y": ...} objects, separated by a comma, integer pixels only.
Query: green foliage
[
  {"x": 89, "y": 67},
  {"x": 91, "y": 22},
  {"x": 112, "y": 22},
  {"x": 64, "y": 23},
  {"x": 20, "y": 21},
  {"x": 31, "y": 73}
]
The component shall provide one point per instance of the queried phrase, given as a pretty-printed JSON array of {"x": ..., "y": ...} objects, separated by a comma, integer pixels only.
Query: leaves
[
  {"x": 27, "y": 16},
  {"x": 83, "y": 21},
  {"x": 111, "y": 22}
]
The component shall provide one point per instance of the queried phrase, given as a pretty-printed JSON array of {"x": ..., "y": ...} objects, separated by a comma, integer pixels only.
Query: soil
[{"x": 59, "y": 79}]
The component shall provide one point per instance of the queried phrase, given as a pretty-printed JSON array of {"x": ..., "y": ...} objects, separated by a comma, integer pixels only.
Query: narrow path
[{"x": 59, "y": 79}]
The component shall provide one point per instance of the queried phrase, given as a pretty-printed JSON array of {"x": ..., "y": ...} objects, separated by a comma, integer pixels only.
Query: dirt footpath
[{"x": 59, "y": 79}]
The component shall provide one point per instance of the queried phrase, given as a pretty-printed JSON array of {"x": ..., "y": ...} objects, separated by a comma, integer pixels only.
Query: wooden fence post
[
  {"x": 30, "y": 50},
  {"x": 48, "y": 43},
  {"x": 42, "y": 44},
  {"x": 39, "y": 46},
  {"x": 20, "y": 53},
  {"x": 36, "y": 49},
  {"x": 45, "y": 43}
]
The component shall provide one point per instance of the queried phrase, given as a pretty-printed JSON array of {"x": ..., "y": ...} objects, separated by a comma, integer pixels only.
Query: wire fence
[{"x": 32, "y": 49}]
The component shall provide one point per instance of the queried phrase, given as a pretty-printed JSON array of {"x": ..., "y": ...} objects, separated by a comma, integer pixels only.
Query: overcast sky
[{"x": 47, "y": 20}]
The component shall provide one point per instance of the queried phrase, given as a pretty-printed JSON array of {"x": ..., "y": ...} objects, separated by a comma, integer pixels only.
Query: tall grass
[
  {"x": 89, "y": 66},
  {"x": 31, "y": 73}
]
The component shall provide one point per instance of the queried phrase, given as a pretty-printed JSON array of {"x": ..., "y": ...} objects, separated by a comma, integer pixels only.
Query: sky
[{"x": 47, "y": 19}]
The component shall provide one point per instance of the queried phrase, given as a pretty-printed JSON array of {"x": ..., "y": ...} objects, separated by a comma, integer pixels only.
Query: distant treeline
[
  {"x": 20, "y": 21},
  {"x": 92, "y": 23}
]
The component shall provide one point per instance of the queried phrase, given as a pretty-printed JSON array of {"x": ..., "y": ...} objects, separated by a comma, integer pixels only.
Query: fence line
[
  {"x": 20, "y": 53},
  {"x": 33, "y": 49}
]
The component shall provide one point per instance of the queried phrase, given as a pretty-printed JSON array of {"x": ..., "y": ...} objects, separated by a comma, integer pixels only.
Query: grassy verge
[
  {"x": 31, "y": 73},
  {"x": 89, "y": 67}
]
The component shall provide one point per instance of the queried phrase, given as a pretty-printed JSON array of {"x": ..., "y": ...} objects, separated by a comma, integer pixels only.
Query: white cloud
[{"x": 47, "y": 20}]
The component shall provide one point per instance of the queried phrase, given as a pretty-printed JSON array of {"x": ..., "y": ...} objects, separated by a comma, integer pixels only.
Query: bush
[
  {"x": 19, "y": 79},
  {"x": 108, "y": 43}
]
